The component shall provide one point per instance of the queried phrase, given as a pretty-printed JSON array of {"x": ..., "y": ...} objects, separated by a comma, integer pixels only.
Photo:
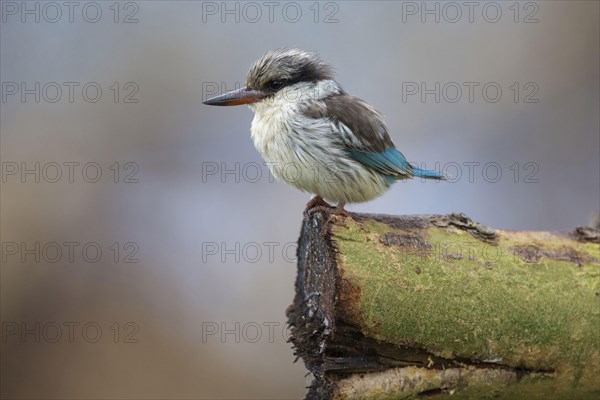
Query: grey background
[{"x": 177, "y": 289}]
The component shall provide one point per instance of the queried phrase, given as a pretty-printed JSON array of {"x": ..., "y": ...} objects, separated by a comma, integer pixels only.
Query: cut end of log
[{"x": 424, "y": 306}]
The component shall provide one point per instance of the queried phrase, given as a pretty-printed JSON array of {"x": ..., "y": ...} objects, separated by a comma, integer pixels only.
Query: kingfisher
[{"x": 315, "y": 136}]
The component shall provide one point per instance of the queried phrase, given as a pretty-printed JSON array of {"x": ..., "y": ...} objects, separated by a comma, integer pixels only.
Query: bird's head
[{"x": 273, "y": 72}]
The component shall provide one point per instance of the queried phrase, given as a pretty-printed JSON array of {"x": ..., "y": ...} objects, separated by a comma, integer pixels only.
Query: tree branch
[{"x": 398, "y": 307}]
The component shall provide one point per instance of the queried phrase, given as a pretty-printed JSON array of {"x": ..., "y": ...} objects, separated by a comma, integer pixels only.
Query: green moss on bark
[{"x": 524, "y": 300}]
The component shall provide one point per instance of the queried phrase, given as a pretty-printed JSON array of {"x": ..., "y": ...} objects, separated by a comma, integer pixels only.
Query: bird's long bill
[{"x": 236, "y": 98}]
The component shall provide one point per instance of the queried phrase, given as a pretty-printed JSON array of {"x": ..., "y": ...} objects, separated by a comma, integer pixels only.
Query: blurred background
[{"x": 146, "y": 251}]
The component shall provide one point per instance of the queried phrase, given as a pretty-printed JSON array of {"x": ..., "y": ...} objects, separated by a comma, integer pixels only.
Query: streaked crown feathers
[{"x": 283, "y": 67}]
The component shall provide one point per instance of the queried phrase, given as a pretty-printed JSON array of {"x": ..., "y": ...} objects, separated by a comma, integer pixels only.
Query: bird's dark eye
[{"x": 276, "y": 85}]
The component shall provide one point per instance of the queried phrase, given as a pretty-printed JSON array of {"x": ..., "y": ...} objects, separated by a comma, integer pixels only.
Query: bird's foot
[
  {"x": 316, "y": 204},
  {"x": 339, "y": 210},
  {"x": 317, "y": 201}
]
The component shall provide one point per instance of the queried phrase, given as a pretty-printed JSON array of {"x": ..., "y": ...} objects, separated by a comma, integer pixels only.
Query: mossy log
[{"x": 416, "y": 306}]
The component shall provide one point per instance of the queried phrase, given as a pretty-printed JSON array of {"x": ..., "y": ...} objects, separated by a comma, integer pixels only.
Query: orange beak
[{"x": 236, "y": 97}]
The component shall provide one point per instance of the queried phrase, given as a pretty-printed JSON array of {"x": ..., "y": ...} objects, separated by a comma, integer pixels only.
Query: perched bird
[{"x": 315, "y": 136}]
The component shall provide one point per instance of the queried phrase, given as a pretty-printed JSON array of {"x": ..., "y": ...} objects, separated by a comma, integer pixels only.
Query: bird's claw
[
  {"x": 339, "y": 210},
  {"x": 316, "y": 204}
]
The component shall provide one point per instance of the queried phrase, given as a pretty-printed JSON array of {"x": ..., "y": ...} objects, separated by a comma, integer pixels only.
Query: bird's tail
[{"x": 428, "y": 174}]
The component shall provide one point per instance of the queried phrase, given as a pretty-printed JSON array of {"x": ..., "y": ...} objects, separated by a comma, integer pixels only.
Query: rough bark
[{"x": 418, "y": 306}]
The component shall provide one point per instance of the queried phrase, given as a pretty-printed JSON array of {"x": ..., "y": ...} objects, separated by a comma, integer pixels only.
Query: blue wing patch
[
  {"x": 393, "y": 165},
  {"x": 389, "y": 162},
  {"x": 428, "y": 174}
]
